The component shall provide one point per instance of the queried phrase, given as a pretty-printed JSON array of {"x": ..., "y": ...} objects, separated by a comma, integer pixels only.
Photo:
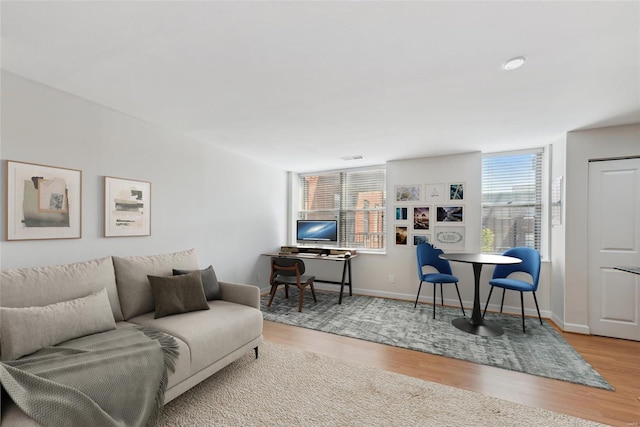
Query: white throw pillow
[{"x": 29, "y": 329}]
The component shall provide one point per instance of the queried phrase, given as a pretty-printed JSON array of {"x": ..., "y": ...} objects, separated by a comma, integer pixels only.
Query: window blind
[
  {"x": 512, "y": 200},
  {"x": 354, "y": 197}
]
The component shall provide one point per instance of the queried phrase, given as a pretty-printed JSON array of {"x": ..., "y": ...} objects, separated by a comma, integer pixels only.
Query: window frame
[
  {"x": 544, "y": 195},
  {"x": 343, "y": 212}
]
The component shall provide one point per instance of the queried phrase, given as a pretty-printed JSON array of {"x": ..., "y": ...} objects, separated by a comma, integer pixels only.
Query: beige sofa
[{"x": 208, "y": 339}]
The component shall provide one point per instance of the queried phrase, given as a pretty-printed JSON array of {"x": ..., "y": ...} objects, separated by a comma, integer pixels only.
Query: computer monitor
[{"x": 318, "y": 231}]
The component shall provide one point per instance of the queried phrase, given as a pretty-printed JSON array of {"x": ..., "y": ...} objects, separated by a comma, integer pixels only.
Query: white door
[{"x": 614, "y": 240}]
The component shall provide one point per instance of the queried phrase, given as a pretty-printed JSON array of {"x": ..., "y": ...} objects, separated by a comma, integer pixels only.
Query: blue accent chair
[
  {"x": 530, "y": 264},
  {"x": 428, "y": 255}
]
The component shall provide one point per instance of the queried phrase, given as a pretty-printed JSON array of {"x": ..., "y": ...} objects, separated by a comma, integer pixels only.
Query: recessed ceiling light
[
  {"x": 356, "y": 157},
  {"x": 514, "y": 63}
]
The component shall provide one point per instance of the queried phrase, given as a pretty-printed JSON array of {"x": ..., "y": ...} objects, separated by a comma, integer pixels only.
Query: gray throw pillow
[
  {"x": 177, "y": 294},
  {"x": 28, "y": 329},
  {"x": 209, "y": 282}
]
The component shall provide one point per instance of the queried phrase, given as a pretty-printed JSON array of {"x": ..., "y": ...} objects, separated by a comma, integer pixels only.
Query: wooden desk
[
  {"x": 346, "y": 267},
  {"x": 477, "y": 325}
]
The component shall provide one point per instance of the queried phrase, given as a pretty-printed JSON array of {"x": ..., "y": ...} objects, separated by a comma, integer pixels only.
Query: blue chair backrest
[
  {"x": 530, "y": 264},
  {"x": 429, "y": 255}
]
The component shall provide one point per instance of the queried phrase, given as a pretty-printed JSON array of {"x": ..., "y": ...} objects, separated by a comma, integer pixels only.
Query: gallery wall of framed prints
[{"x": 432, "y": 213}]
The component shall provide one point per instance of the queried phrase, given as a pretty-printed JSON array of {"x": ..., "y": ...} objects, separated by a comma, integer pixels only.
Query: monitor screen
[{"x": 317, "y": 231}]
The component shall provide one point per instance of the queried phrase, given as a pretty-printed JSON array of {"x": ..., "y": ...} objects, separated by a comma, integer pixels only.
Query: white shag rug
[{"x": 291, "y": 387}]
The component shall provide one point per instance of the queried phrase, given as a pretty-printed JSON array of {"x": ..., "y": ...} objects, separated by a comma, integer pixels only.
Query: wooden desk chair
[{"x": 290, "y": 271}]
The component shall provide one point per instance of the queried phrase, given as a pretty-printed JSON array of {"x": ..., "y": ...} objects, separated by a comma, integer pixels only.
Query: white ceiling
[{"x": 301, "y": 84}]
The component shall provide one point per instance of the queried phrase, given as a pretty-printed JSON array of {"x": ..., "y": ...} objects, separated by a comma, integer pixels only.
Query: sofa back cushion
[
  {"x": 29, "y": 329},
  {"x": 133, "y": 285},
  {"x": 40, "y": 286}
]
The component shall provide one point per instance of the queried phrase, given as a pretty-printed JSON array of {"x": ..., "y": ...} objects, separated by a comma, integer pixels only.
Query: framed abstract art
[
  {"x": 127, "y": 207},
  {"x": 43, "y": 202}
]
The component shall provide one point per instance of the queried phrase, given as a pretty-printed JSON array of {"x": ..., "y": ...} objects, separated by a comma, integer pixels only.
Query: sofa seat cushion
[
  {"x": 211, "y": 334},
  {"x": 183, "y": 363}
]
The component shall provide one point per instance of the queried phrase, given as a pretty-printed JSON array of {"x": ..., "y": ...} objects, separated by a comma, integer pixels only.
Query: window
[
  {"x": 356, "y": 198},
  {"x": 511, "y": 200}
]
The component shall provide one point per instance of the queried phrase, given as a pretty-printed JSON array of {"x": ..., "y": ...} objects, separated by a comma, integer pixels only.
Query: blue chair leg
[
  {"x": 487, "y": 304},
  {"x": 537, "y": 308},
  {"x": 435, "y": 285},
  {"x": 522, "y": 308},
  {"x": 504, "y": 290},
  {"x": 418, "y": 296},
  {"x": 441, "y": 296},
  {"x": 460, "y": 299}
]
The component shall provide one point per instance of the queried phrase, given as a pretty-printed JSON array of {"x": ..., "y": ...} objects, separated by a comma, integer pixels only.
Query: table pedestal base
[{"x": 484, "y": 328}]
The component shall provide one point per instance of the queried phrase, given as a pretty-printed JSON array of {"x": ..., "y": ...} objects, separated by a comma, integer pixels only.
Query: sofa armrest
[{"x": 241, "y": 294}]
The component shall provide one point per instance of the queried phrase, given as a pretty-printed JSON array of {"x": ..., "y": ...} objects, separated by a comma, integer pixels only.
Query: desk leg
[
  {"x": 344, "y": 273},
  {"x": 477, "y": 325},
  {"x": 350, "y": 280}
]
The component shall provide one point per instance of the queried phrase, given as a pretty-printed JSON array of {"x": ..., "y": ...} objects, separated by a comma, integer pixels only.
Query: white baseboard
[
  {"x": 571, "y": 327},
  {"x": 509, "y": 309},
  {"x": 468, "y": 305},
  {"x": 578, "y": 329},
  {"x": 369, "y": 292},
  {"x": 558, "y": 321}
]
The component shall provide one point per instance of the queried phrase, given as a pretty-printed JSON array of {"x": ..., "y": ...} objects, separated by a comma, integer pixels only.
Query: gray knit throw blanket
[{"x": 114, "y": 378}]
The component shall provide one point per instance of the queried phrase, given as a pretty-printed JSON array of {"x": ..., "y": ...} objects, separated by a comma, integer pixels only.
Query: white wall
[
  {"x": 229, "y": 208},
  {"x": 582, "y": 146},
  {"x": 557, "y": 237},
  {"x": 401, "y": 260},
  {"x": 371, "y": 271}
]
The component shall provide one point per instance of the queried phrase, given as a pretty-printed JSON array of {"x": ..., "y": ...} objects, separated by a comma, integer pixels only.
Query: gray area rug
[
  {"x": 540, "y": 351},
  {"x": 292, "y": 387}
]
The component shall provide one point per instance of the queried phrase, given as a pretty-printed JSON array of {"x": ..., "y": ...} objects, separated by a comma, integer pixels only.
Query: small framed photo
[
  {"x": 435, "y": 193},
  {"x": 127, "y": 209},
  {"x": 407, "y": 193},
  {"x": 450, "y": 238},
  {"x": 449, "y": 214},
  {"x": 421, "y": 217},
  {"x": 43, "y": 202},
  {"x": 456, "y": 191},
  {"x": 401, "y": 235},
  {"x": 421, "y": 238},
  {"x": 401, "y": 213}
]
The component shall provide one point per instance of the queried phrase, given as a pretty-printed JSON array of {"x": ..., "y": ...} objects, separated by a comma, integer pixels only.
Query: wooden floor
[{"x": 618, "y": 361}]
